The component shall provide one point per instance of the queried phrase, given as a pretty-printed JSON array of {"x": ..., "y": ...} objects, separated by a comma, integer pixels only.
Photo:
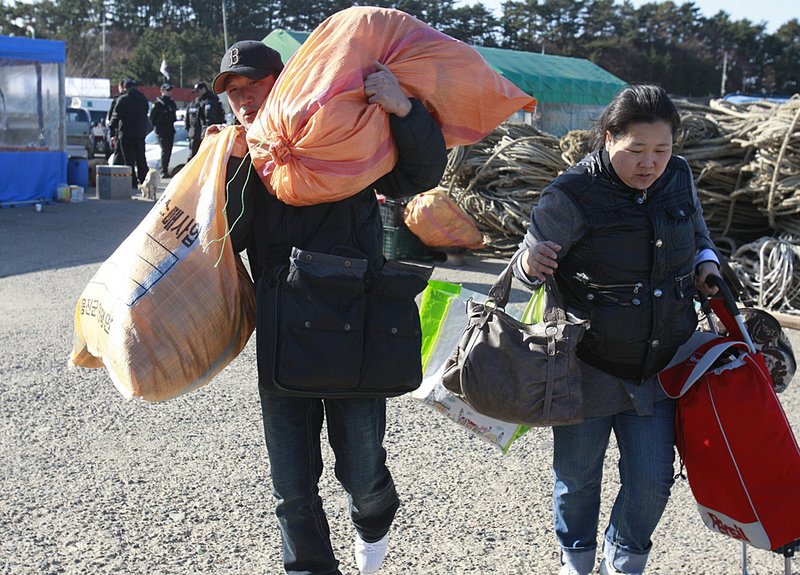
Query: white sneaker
[
  {"x": 606, "y": 569},
  {"x": 369, "y": 556}
]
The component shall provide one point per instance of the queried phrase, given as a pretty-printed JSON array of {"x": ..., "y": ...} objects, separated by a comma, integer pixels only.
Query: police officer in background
[
  {"x": 128, "y": 127},
  {"x": 163, "y": 116},
  {"x": 204, "y": 111}
]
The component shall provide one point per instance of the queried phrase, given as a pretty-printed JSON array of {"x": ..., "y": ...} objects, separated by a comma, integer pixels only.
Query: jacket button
[
  {"x": 309, "y": 257},
  {"x": 394, "y": 331},
  {"x": 659, "y": 243},
  {"x": 681, "y": 213},
  {"x": 347, "y": 263},
  {"x": 590, "y": 296},
  {"x": 654, "y": 343},
  {"x": 658, "y": 293},
  {"x": 347, "y": 327},
  {"x": 639, "y": 200},
  {"x": 636, "y": 301},
  {"x": 307, "y": 324}
]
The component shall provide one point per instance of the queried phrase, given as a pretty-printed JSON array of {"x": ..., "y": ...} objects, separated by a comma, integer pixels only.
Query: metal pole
[
  {"x": 224, "y": 25},
  {"x": 724, "y": 73},
  {"x": 103, "y": 48}
]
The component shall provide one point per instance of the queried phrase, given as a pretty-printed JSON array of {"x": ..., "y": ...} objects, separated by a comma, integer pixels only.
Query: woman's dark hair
[{"x": 634, "y": 104}]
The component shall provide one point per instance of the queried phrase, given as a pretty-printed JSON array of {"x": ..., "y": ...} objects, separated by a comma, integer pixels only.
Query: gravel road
[{"x": 91, "y": 483}]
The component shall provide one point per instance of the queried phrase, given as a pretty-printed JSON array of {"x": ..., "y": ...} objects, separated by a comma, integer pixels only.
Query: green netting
[{"x": 550, "y": 79}]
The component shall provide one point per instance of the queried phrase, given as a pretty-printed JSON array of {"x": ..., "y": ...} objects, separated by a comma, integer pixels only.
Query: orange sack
[
  {"x": 171, "y": 307},
  {"x": 316, "y": 139},
  {"x": 440, "y": 223}
]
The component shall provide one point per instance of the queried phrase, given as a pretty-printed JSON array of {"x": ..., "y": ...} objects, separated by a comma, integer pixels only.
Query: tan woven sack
[
  {"x": 171, "y": 307},
  {"x": 439, "y": 222}
]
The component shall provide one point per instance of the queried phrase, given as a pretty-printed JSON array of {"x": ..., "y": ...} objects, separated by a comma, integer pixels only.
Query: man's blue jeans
[
  {"x": 356, "y": 427},
  {"x": 646, "y": 476}
]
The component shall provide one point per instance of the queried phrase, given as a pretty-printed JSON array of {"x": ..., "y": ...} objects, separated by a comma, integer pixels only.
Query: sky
[{"x": 773, "y": 12}]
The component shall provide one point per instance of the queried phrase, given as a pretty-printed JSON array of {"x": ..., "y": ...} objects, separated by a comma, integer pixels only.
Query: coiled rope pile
[
  {"x": 498, "y": 180},
  {"x": 746, "y": 163}
]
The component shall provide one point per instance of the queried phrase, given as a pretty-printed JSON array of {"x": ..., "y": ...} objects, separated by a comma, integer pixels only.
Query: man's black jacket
[{"x": 129, "y": 119}]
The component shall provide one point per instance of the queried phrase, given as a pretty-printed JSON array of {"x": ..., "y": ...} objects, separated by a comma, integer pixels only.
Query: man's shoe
[
  {"x": 369, "y": 556},
  {"x": 606, "y": 569}
]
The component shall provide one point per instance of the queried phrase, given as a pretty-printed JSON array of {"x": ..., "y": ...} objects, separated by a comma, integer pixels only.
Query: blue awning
[{"x": 19, "y": 48}]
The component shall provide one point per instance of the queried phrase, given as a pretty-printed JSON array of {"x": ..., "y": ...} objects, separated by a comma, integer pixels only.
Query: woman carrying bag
[{"x": 623, "y": 235}]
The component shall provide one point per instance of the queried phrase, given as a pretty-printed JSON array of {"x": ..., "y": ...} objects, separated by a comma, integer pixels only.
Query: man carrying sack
[{"x": 344, "y": 233}]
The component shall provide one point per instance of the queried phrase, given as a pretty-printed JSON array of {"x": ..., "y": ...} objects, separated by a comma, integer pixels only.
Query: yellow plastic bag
[
  {"x": 171, "y": 307},
  {"x": 317, "y": 140},
  {"x": 438, "y": 221}
]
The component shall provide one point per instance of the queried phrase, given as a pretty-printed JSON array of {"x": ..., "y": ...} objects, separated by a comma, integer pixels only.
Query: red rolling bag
[{"x": 741, "y": 457}]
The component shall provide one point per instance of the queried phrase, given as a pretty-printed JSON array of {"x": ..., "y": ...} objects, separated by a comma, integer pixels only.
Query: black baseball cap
[
  {"x": 166, "y": 86},
  {"x": 249, "y": 58},
  {"x": 199, "y": 85},
  {"x": 128, "y": 83}
]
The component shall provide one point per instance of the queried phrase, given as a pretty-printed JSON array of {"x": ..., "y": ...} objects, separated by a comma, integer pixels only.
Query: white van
[{"x": 98, "y": 110}]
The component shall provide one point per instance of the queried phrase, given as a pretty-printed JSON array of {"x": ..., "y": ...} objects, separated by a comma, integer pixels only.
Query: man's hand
[
  {"x": 540, "y": 260},
  {"x": 382, "y": 88}
]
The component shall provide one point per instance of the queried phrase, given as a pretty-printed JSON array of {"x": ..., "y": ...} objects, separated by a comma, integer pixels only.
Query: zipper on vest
[
  {"x": 643, "y": 198},
  {"x": 634, "y": 286}
]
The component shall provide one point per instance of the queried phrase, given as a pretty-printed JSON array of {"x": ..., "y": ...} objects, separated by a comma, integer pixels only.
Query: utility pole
[
  {"x": 724, "y": 74},
  {"x": 224, "y": 25},
  {"x": 103, "y": 48}
]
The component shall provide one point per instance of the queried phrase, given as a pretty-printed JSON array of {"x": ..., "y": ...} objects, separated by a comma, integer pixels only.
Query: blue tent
[{"x": 32, "y": 158}]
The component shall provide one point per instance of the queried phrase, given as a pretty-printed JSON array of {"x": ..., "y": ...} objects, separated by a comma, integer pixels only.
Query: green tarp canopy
[
  {"x": 555, "y": 79},
  {"x": 570, "y": 91}
]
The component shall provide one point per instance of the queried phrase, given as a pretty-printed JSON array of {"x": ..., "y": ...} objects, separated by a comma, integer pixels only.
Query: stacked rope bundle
[
  {"x": 776, "y": 166},
  {"x": 498, "y": 180},
  {"x": 769, "y": 269},
  {"x": 710, "y": 140}
]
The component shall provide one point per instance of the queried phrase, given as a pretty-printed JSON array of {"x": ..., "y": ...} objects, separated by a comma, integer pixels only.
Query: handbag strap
[
  {"x": 501, "y": 289},
  {"x": 553, "y": 306}
]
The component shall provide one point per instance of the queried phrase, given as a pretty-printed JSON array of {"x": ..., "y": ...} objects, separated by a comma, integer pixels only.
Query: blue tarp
[
  {"x": 739, "y": 98},
  {"x": 31, "y": 176},
  {"x": 30, "y": 119},
  {"x": 16, "y": 48}
]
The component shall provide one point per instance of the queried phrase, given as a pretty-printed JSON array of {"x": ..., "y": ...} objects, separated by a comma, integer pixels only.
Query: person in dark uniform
[
  {"x": 110, "y": 140},
  {"x": 129, "y": 126},
  {"x": 204, "y": 111},
  {"x": 163, "y": 116}
]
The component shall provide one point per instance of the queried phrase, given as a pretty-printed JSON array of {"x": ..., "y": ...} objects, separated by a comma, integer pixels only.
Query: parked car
[
  {"x": 180, "y": 150},
  {"x": 79, "y": 133},
  {"x": 98, "y": 110}
]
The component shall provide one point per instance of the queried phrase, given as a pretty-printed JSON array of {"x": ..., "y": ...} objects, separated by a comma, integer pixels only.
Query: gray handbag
[{"x": 516, "y": 372}]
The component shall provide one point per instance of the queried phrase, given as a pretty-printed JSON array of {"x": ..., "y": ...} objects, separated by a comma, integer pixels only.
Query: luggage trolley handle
[{"x": 730, "y": 303}]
